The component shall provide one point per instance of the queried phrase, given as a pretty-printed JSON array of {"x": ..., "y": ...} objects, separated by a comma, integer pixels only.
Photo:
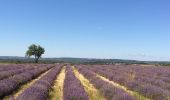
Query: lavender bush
[
  {"x": 10, "y": 84},
  {"x": 11, "y": 67},
  {"x": 39, "y": 90},
  {"x": 9, "y": 73},
  {"x": 139, "y": 83},
  {"x": 73, "y": 90},
  {"x": 109, "y": 91}
]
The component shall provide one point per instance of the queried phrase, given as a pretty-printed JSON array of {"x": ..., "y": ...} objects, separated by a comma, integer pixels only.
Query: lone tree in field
[{"x": 36, "y": 51}]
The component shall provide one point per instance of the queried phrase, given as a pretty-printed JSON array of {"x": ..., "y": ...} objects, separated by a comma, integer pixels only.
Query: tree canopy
[{"x": 36, "y": 51}]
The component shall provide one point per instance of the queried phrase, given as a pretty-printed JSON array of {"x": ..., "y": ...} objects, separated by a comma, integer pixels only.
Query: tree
[{"x": 36, "y": 51}]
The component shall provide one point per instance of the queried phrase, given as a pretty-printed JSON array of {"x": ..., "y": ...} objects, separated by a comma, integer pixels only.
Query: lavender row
[
  {"x": 39, "y": 90},
  {"x": 108, "y": 90},
  {"x": 154, "y": 72},
  {"x": 136, "y": 85},
  {"x": 148, "y": 90},
  {"x": 15, "y": 71},
  {"x": 131, "y": 74},
  {"x": 73, "y": 90},
  {"x": 7, "y": 86},
  {"x": 134, "y": 73},
  {"x": 11, "y": 67},
  {"x": 19, "y": 66},
  {"x": 10, "y": 73}
]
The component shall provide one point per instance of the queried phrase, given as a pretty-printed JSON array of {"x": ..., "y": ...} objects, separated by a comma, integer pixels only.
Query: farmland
[{"x": 84, "y": 82}]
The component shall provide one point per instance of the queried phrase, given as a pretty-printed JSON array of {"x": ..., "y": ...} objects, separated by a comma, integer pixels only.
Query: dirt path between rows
[{"x": 57, "y": 90}]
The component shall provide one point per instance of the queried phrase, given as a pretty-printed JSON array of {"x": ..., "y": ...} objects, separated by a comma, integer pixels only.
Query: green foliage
[{"x": 36, "y": 51}]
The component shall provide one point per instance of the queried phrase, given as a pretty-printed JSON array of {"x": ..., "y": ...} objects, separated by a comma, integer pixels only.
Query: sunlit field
[{"x": 84, "y": 82}]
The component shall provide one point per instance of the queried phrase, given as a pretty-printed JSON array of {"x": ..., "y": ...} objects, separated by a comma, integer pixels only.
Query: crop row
[
  {"x": 39, "y": 90},
  {"x": 153, "y": 72},
  {"x": 134, "y": 73},
  {"x": 141, "y": 86},
  {"x": 8, "y": 85},
  {"x": 139, "y": 75},
  {"x": 109, "y": 91},
  {"x": 11, "y": 67},
  {"x": 9, "y": 73},
  {"x": 73, "y": 90}
]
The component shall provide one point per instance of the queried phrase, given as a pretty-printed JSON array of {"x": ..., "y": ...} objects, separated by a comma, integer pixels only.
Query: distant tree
[{"x": 36, "y": 51}]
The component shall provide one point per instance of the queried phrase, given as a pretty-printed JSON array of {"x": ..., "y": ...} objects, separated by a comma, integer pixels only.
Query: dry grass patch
[
  {"x": 92, "y": 92},
  {"x": 57, "y": 90}
]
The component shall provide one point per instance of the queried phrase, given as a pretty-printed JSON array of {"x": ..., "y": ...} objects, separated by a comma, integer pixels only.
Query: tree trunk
[{"x": 36, "y": 59}]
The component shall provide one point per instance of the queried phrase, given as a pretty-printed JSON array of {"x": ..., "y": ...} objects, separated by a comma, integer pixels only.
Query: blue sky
[{"x": 125, "y": 29}]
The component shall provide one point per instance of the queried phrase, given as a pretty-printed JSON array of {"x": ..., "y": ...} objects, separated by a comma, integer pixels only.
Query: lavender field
[{"x": 84, "y": 82}]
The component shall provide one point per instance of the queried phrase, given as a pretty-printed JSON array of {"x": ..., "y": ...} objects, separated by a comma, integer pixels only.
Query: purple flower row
[
  {"x": 138, "y": 75},
  {"x": 147, "y": 89},
  {"x": 73, "y": 90},
  {"x": 8, "y": 85},
  {"x": 108, "y": 90},
  {"x": 10, "y": 73},
  {"x": 10, "y": 67},
  {"x": 39, "y": 90},
  {"x": 152, "y": 72}
]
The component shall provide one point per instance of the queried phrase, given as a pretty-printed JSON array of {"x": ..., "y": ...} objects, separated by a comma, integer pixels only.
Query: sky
[{"x": 118, "y": 29}]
